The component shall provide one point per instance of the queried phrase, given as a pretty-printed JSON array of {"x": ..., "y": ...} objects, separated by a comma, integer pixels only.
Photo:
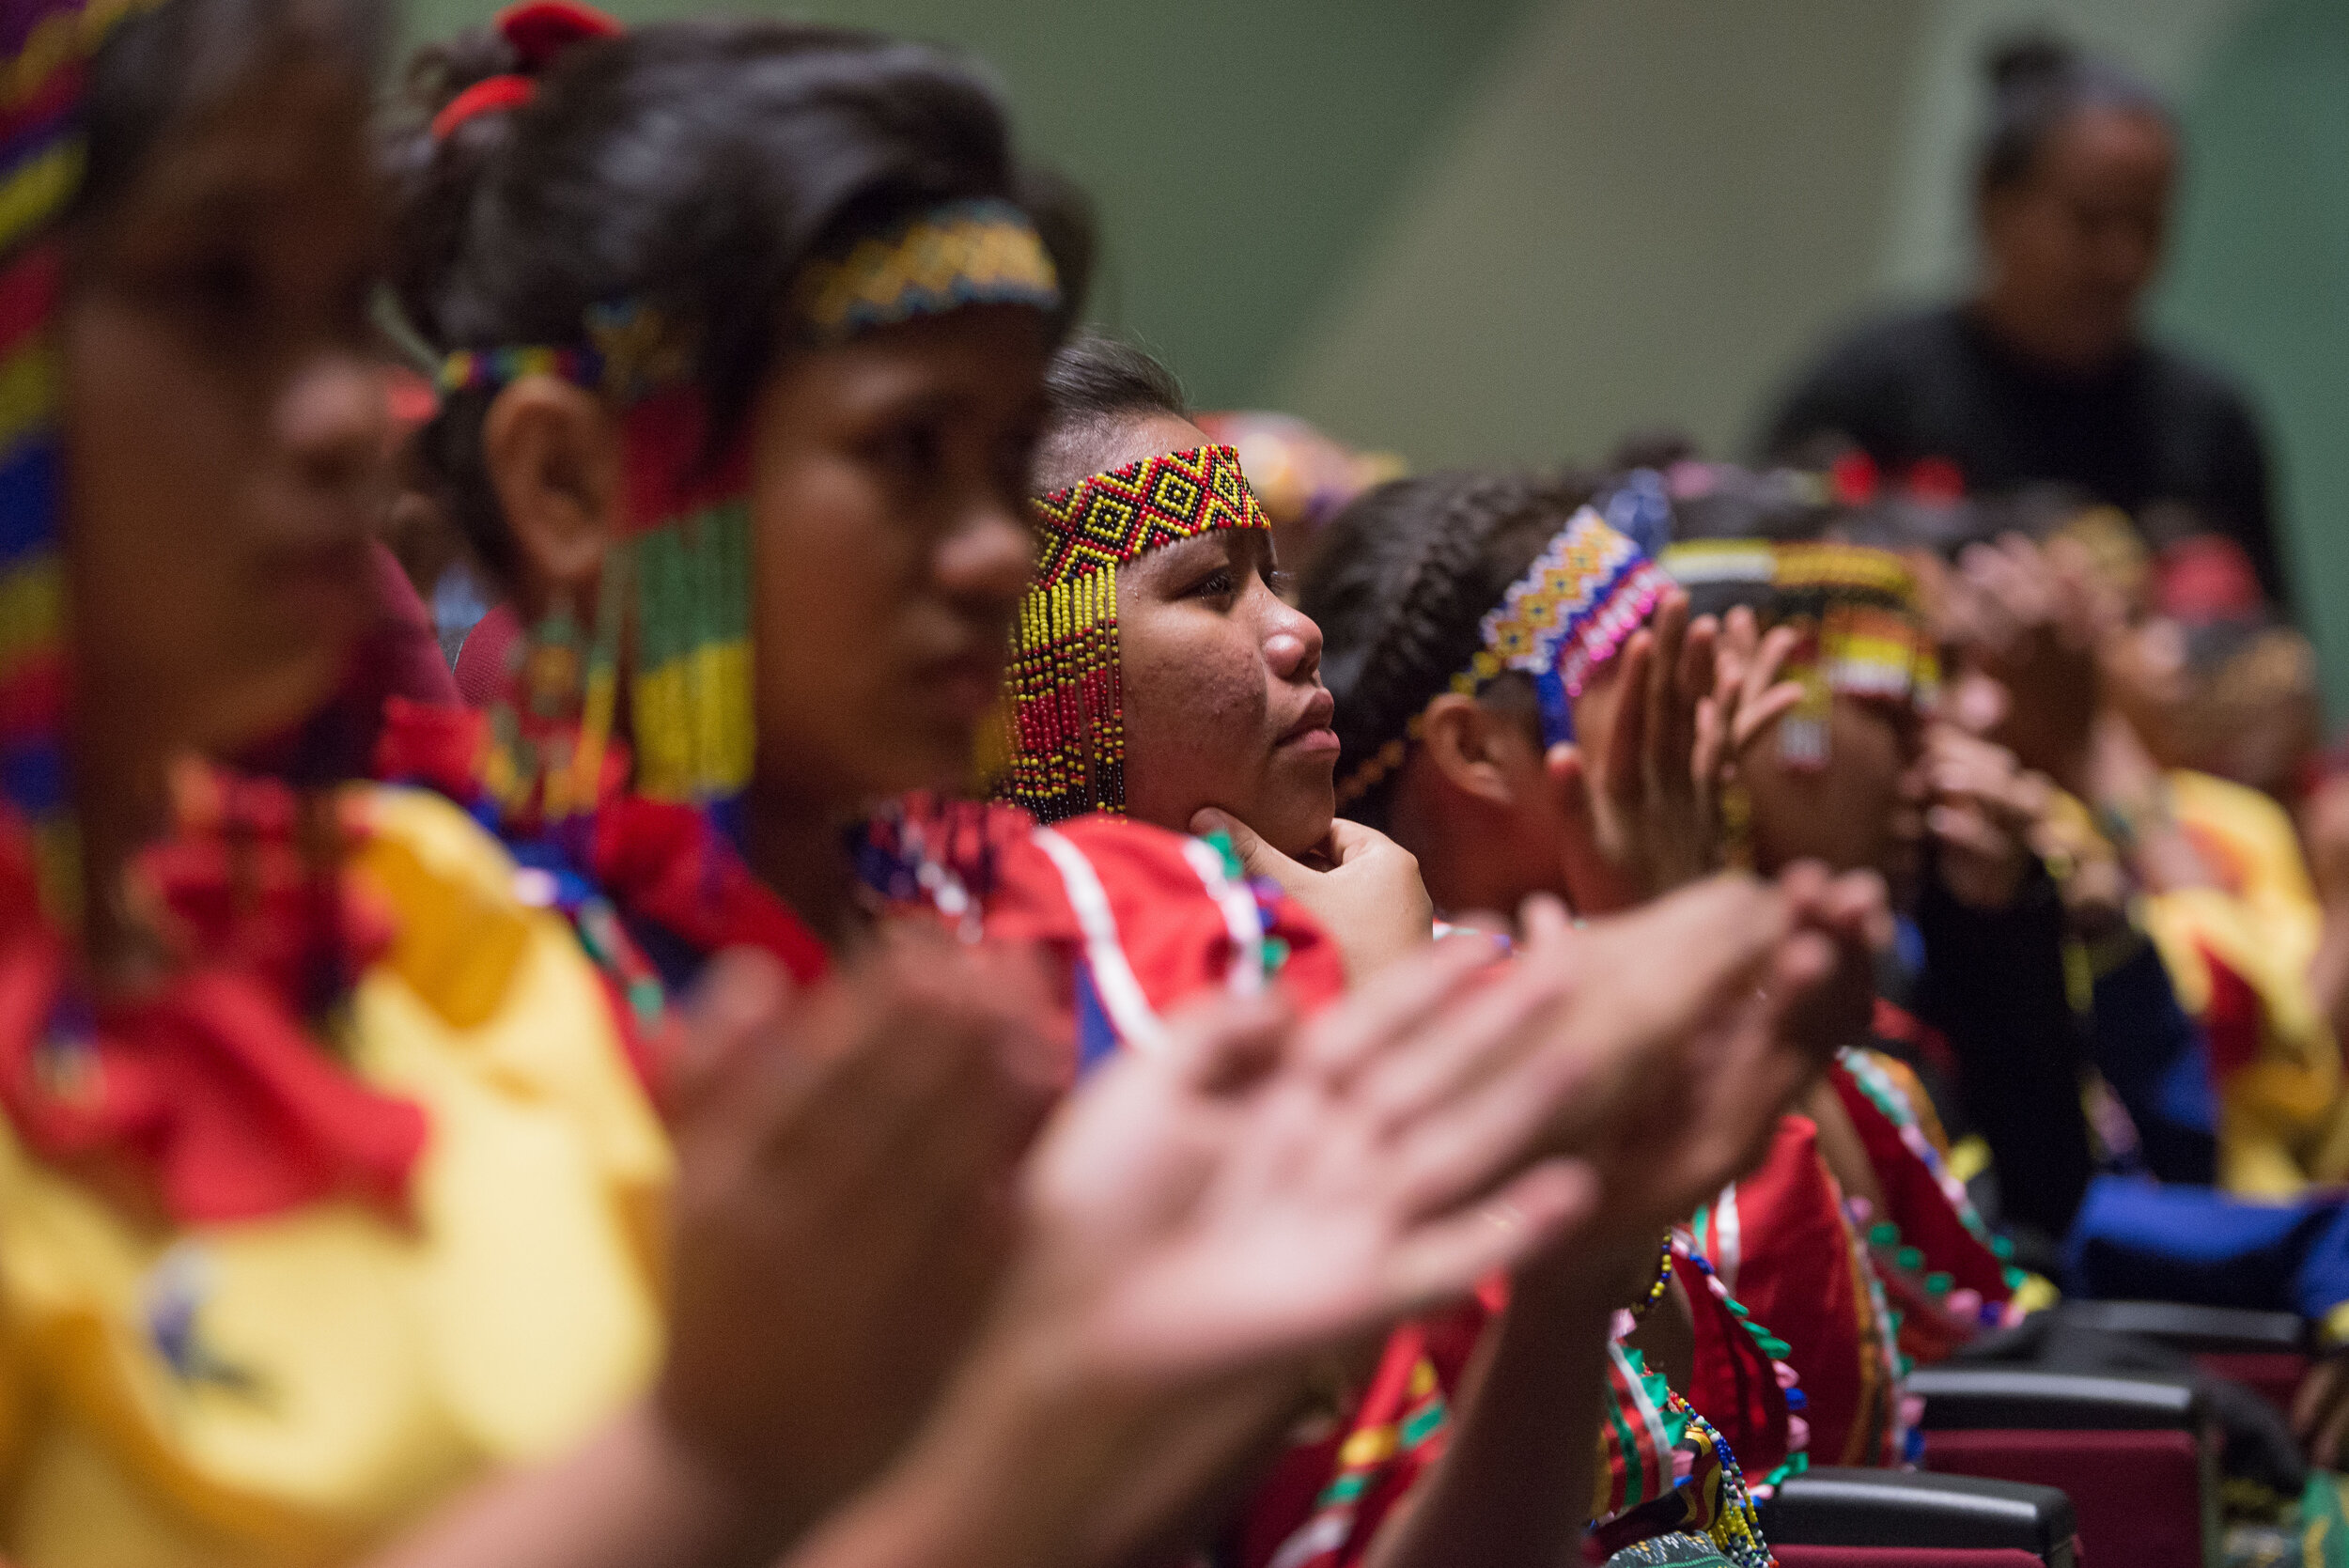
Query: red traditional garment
[
  {"x": 1785, "y": 1248},
  {"x": 211, "y": 1088},
  {"x": 1942, "y": 1271},
  {"x": 1740, "y": 1378}
]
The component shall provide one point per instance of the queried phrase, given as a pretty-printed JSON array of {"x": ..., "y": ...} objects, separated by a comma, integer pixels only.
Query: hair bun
[
  {"x": 541, "y": 30},
  {"x": 2029, "y": 63}
]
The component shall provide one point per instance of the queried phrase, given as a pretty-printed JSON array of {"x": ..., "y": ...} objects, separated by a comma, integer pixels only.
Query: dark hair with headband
[
  {"x": 2037, "y": 83},
  {"x": 1093, "y": 382},
  {"x": 1399, "y": 587},
  {"x": 693, "y": 168}
]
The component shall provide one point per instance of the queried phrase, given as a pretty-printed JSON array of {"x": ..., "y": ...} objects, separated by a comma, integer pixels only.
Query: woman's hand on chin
[{"x": 1365, "y": 890}]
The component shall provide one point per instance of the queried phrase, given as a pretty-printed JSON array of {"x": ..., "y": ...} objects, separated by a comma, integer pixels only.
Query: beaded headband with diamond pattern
[
  {"x": 1588, "y": 590},
  {"x": 685, "y": 552},
  {"x": 1863, "y": 630},
  {"x": 1067, "y": 722}
]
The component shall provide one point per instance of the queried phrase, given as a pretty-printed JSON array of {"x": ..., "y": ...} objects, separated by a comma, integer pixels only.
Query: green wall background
[
  {"x": 1512, "y": 231},
  {"x": 1238, "y": 150}
]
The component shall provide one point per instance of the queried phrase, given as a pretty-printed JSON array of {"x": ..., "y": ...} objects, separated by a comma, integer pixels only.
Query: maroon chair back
[
  {"x": 2273, "y": 1374},
  {"x": 2143, "y": 1496},
  {"x": 1904, "y": 1557}
]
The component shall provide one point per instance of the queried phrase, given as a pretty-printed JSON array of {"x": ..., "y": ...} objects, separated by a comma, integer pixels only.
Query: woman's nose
[
  {"x": 1293, "y": 645},
  {"x": 989, "y": 558},
  {"x": 334, "y": 427}
]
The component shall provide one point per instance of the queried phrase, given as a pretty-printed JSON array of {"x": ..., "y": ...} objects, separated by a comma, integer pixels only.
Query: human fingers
[
  {"x": 1856, "y": 907},
  {"x": 1545, "y": 922},
  {"x": 1341, "y": 1039},
  {"x": 2018, "y": 571},
  {"x": 1626, "y": 741},
  {"x": 1662, "y": 725},
  {"x": 739, "y": 993},
  {"x": 1259, "y": 858},
  {"x": 1220, "y": 1043},
  {"x": 1484, "y": 1034},
  {"x": 1553, "y": 1099},
  {"x": 1579, "y": 833},
  {"x": 1993, "y": 603},
  {"x": 1442, "y": 1258},
  {"x": 1700, "y": 656},
  {"x": 890, "y": 1036},
  {"x": 1350, "y": 841}
]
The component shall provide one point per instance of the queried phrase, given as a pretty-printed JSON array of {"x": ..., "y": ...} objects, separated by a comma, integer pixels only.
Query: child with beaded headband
[
  {"x": 1848, "y": 779},
  {"x": 1416, "y": 577},
  {"x": 1199, "y": 636}
]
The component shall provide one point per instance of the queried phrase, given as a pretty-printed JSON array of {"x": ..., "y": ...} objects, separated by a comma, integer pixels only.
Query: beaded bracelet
[{"x": 1663, "y": 1280}]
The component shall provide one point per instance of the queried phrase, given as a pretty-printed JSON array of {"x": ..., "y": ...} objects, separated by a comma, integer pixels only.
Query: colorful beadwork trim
[
  {"x": 1863, "y": 630},
  {"x": 1586, "y": 593},
  {"x": 1068, "y": 726},
  {"x": 632, "y": 352},
  {"x": 1776, "y": 1350},
  {"x": 967, "y": 253}
]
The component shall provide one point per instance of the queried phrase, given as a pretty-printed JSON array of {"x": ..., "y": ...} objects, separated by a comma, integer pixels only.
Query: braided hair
[{"x": 1399, "y": 589}]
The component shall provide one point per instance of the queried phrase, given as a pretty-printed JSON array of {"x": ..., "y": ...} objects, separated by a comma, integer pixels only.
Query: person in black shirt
[{"x": 2043, "y": 375}]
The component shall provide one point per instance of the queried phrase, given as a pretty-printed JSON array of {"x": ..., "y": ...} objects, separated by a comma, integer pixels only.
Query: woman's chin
[{"x": 267, "y": 704}]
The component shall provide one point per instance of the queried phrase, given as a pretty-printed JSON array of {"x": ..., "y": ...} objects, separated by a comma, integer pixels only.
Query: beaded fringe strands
[
  {"x": 1586, "y": 593},
  {"x": 45, "y": 48},
  {"x": 1067, "y": 725},
  {"x": 1862, "y": 633}
]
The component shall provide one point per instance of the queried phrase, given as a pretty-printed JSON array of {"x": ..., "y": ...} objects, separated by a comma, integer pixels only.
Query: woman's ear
[
  {"x": 1469, "y": 745},
  {"x": 553, "y": 453}
]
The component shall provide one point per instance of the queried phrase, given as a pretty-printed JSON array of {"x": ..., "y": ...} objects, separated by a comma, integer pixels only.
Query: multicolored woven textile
[
  {"x": 45, "y": 47},
  {"x": 1586, "y": 593},
  {"x": 1067, "y": 725},
  {"x": 1863, "y": 629}
]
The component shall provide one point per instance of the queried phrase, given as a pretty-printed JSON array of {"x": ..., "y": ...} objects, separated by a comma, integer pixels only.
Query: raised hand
[
  {"x": 2033, "y": 620},
  {"x": 1784, "y": 976},
  {"x": 1642, "y": 819},
  {"x": 1748, "y": 693},
  {"x": 1365, "y": 891},
  {"x": 1985, "y": 817},
  {"x": 1230, "y": 1201},
  {"x": 842, "y": 1205}
]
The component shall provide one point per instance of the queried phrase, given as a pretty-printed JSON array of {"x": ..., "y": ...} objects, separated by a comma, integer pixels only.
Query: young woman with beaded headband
[
  {"x": 288, "y": 1189},
  {"x": 884, "y": 475},
  {"x": 1158, "y": 674}
]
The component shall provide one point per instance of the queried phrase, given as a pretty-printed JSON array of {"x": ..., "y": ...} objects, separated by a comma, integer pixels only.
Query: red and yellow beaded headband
[
  {"x": 1067, "y": 722},
  {"x": 1863, "y": 629}
]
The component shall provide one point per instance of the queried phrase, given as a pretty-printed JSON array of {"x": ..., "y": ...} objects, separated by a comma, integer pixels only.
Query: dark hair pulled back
[
  {"x": 2037, "y": 82},
  {"x": 695, "y": 167},
  {"x": 1402, "y": 581},
  {"x": 1094, "y": 384}
]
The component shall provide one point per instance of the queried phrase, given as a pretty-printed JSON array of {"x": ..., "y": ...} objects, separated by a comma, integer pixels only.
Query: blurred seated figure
[{"x": 2044, "y": 373}]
